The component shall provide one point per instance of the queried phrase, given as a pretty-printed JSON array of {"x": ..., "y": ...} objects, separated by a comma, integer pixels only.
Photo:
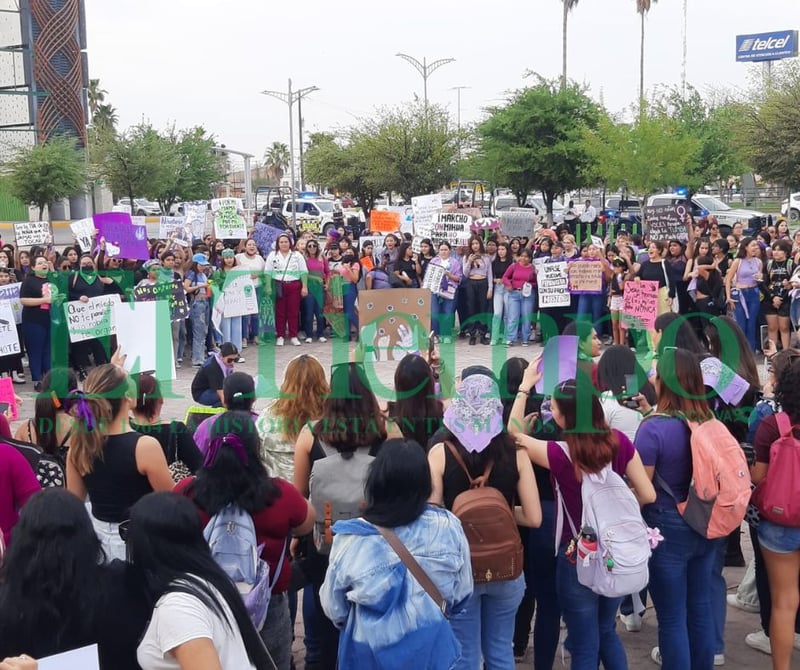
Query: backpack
[
  {"x": 720, "y": 488},
  {"x": 495, "y": 546},
  {"x": 614, "y": 562},
  {"x": 776, "y": 495},
  {"x": 49, "y": 470},
  {"x": 231, "y": 536},
  {"x": 336, "y": 490}
]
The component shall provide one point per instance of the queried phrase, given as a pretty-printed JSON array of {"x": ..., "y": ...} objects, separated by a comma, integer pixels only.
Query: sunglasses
[
  {"x": 230, "y": 360},
  {"x": 123, "y": 530},
  {"x": 311, "y": 244}
]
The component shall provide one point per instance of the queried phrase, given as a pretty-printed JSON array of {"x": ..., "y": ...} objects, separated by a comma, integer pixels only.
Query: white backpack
[{"x": 618, "y": 565}]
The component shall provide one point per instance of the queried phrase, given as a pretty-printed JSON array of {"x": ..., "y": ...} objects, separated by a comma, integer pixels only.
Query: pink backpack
[
  {"x": 720, "y": 488},
  {"x": 776, "y": 496}
]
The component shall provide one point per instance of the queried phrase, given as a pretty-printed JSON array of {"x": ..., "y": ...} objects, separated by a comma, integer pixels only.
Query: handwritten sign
[
  {"x": 9, "y": 340},
  {"x": 383, "y": 221},
  {"x": 586, "y": 277},
  {"x": 553, "y": 284},
  {"x": 123, "y": 238},
  {"x": 175, "y": 229},
  {"x": 394, "y": 322},
  {"x": 377, "y": 245},
  {"x": 640, "y": 304},
  {"x": 240, "y": 296},
  {"x": 83, "y": 230},
  {"x": 264, "y": 237},
  {"x": 667, "y": 222},
  {"x": 196, "y": 218},
  {"x": 93, "y": 318},
  {"x": 172, "y": 291},
  {"x": 518, "y": 223},
  {"x": 29, "y": 233},
  {"x": 9, "y": 294},
  {"x": 434, "y": 274},
  {"x": 425, "y": 208},
  {"x": 7, "y": 395},
  {"x": 228, "y": 223},
  {"x": 452, "y": 227}
]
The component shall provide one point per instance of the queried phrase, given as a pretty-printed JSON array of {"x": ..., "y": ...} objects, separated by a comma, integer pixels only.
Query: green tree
[
  {"x": 96, "y": 95},
  {"x": 566, "y": 7},
  {"x": 105, "y": 119},
  {"x": 538, "y": 140},
  {"x": 196, "y": 169},
  {"x": 276, "y": 160},
  {"x": 43, "y": 173}
]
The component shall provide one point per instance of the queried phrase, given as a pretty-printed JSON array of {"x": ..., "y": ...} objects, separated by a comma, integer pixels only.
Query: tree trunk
[
  {"x": 565, "y": 4},
  {"x": 641, "y": 69}
]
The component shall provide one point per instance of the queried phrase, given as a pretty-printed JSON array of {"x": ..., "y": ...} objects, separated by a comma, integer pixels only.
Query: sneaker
[
  {"x": 734, "y": 601},
  {"x": 180, "y": 361},
  {"x": 37, "y": 387},
  {"x": 18, "y": 377},
  {"x": 509, "y": 343},
  {"x": 322, "y": 339},
  {"x": 760, "y": 642},
  {"x": 296, "y": 342},
  {"x": 279, "y": 342},
  {"x": 308, "y": 340},
  {"x": 473, "y": 339},
  {"x": 240, "y": 360},
  {"x": 197, "y": 365},
  {"x": 655, "y": 656},
  {"x": 632, "y": 622},
  {"x": 244, "y": 344},
  {"x": 719, "y": 659},
  {"x": 526, "y": 343}
]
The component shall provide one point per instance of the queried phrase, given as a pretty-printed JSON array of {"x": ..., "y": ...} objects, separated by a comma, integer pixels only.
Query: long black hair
[
  {"x": 614, "y": 365},
  {"x": 398, "y": 485},
  {"x": 166, "y": 545},
  {"x": 228, "y": 479},
  {"x": 48, "y": 600},
  {"x": 56, "y": 386},
  {"x": 417, "y": 412}
]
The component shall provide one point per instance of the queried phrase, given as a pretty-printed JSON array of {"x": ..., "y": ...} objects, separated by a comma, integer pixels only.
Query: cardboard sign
[
  {"x": 382, "y": 221},
  {"x": 9, "y": 294},
  {"x": 7, "y": 395},
  {"x": 667, "y": 222},
  {"x": 425, "y": 208},
  {"x": 240, "y": 296},
  {"x": 93, "y": 318},
  {"x": 172, "y": 291},
  {"x": 9, "y": 340},
  {"x": 228, "y": 223},
  {"x": 175, "y": 229},
  {"x": 434, "y": 275},
  {"x": 147, "y": 349},
  {"x": 518, "y": 223},
  {"x": 394, "y": 322},
  {"x": 123, "y": 238},
  {"x": 553, "y": 285},
  {"x": 640, "y": 304},
  {"x": 196, "y": 219},
  {"x": 83, "y": 230},
  {"x": 559, "y": 362},
  {"x": 586, "y": 277},
  {"x": 377, "y": 245},
  {"x": 264, "y": 237},
  {"x": 30, "y": 233},
  {"x": 453, "y": 227}
]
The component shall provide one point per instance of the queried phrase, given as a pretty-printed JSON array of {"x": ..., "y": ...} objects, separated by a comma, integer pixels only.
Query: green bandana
[{"x": 89, "y": 277}]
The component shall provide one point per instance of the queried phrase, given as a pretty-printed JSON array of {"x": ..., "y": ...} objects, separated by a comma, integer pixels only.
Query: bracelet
[{"x": 523, "y": 391}]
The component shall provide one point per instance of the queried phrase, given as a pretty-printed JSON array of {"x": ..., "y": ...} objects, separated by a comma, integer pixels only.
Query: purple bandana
[
  {"x": 229, "y": 440},
  {"x": 77, "y": 399},
  {"x": 475, "y": 415}
]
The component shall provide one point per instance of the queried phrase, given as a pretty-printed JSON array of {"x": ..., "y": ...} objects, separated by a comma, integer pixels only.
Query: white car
[
  {"x": 793, "y": 207},
  {"x": 142, "y": 207},
  {"x": 702, "y": 205},
  {"x": 538, "y": 202}
]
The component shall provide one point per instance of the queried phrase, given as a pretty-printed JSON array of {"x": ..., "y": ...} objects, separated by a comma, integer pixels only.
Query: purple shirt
[
  {"x": 17, "y": 483},
  {"x": 663, "y": 443},
  {"x": 562, "y": 472}
]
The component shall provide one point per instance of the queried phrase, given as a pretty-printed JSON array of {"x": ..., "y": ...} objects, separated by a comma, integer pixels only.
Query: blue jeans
[
  {"x": 591, "y": 621},
  {"x": 485, "y": 627},
  {"x": 231, "y": 328},
  {"x": 349, "y": 301},
  {"x": 37, "y": 344},
  {"x": 749, "y": 322},
  {"x": 593, "y": 305},
  {"x": 680, "y": 574},
  {"x": 519, "y": 308},
  {"x": 209, "y": 398},
  {"x": 719, "y": 594},
  {"x": 198, "y": 313},
  {"x": 310, "y": 309},
  {"x": 499, "y": 301},
  {"x": 442, "y": 319},
  {"x": 310, "y": 626}
]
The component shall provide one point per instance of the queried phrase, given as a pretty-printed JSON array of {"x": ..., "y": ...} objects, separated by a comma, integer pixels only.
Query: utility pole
[
  {"x": 458, "y": 89},
  {"x": 300, "y": 132},
  {"x": 425, "y": 70},
  {"x": 248, "y": 180}
]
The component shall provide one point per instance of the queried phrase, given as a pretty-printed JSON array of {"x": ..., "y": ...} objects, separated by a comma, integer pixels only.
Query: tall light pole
[
  {"x": 300, "y": 94},
  {"x": 426, "y": 70},
  {"x": 248, "y": 179},
  {"x": 289, "y": 98},
  {"x": 458, "y": 89}
]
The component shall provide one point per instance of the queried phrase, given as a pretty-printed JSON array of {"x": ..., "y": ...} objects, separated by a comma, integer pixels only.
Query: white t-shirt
[
  {"x": 179, "y": 618},
  {"x": 624, "y": 419},
  {"x": 255, "y": 264}
]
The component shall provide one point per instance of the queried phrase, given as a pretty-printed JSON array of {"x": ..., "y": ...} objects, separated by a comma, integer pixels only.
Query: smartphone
[
  {"x": 4, "y": 407},
  {"x": 631, "y": 389},
  {"x": 764, "y": 335}
]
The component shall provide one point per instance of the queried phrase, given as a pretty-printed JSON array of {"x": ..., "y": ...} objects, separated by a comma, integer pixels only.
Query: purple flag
[
  {"x": 265, "y": 236},
  {"x": 123, "y": 238},
  {"x": 559, "y": 362},
  {"x": 726, "y": 383}
]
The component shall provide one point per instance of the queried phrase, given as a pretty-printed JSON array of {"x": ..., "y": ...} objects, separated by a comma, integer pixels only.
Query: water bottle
[{"x": 587, "y": 542}]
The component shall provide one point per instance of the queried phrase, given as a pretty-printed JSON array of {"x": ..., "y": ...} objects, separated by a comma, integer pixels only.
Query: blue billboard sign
[{"x": 766, "y": 46}]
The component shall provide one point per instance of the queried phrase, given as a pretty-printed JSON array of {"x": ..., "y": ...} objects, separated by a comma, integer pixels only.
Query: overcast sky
[{"x": 205, "y": 61}]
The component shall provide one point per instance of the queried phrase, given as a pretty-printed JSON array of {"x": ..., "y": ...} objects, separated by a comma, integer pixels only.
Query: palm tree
[
  {"x": 568, "y": 6},
  {"x": 105, "y": 118},
  {"x": 643, "y": 7},
  {"x": 96, "y": 95},
  {"x": 276, "y": 160}
]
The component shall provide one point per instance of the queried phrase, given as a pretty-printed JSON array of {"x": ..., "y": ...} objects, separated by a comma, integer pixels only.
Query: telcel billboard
[{"x": 766, "y": 46}]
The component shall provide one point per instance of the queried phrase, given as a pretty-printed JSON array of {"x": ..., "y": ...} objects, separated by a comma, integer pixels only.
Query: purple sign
[
  {"x": 264, "y": 236},
  {"x": 559, "y": 362},
  {"x": 123, "y": 238}
]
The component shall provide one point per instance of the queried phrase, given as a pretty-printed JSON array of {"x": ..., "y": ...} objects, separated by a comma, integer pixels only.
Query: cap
[
  {"x": 153, "y": 262},
  {"x": 227, "y": 253},
  {"x": 238, "y": 385},
  {"x": 200, "y": 259}
]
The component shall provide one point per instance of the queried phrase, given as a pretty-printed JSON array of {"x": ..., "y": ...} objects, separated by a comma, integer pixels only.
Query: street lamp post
[
  {"x": 426, "y": 70},
  {"x": 458, "y": 89},
  {"x": 248, "y": 181},
  {"x": 290, "y": 98}
]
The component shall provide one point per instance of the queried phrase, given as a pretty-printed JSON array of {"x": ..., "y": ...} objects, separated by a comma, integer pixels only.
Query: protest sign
[
  {"x": 123, "y": 238},
  {"x": 377, "y": 244},
  {"x": 7, "y": 395},
  {"x": 146, "y": 349},
  {"x": 9, "y": 340},
  {"x": 29, "y": 233},
  {"x": 394, "y": 321},
  {"x": 264, "y": 237},
  {"x": 453, "y": 227},
  {"x": 83, "y": 658},
  {"x": 217, "y": 310},
  {"x": 585, "y": 276},
  {"x": 196, "y": 219},
  {"x": 383, "y": 221},
  {"x": 83, "y": 230},
  {"x": 175, "y": 229},
  {"x": 640, "y": 304},
  {"x": 434, "y": 274},
  {"x": 93, "y": 318},
  {"x": 559, "y": 362},
  {"x": 485, "y": 223},
  {"x": 240, "y": 296},
  {"x": 172, "y": 291},
  {"x": 667, "y": 222},
  {"x": 518, "y": 223},
  {"x": 553, "y": 284},
  {"x": 728, "y": 385},
  {"x": 228, "y": 223},
  {"x": 9, "y": 294},
  {"x": 425, "y": 208}
]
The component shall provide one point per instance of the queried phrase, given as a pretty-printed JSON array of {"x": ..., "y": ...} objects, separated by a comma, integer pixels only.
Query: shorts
[
  {"x": 617, "y": 303},
  {"x": 778, "y": 539},
  {"x": 767, "y": 308}
]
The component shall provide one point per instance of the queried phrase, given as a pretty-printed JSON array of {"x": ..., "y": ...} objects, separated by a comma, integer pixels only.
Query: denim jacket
[{"x": 388, "y": 619}]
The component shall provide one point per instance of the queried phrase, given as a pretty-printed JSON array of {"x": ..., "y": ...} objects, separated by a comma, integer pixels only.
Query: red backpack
[
  {"x": 776, "y": 495},
  {"x": 720, "y": 488}
]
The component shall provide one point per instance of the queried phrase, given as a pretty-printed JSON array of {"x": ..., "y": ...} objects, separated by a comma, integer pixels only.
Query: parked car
[
  {"x": 537, "y": 201},
  {"x": 622, "y": 211},
  {"x": 142, "y": 206},
  {"x": 703, "y": 205},
  {"x": 791, "y": 207}
]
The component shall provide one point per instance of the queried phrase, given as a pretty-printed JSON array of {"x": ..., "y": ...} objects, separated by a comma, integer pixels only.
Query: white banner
[
  {"x": 10, "y": 294},
  {"x": 454, "y": 227},
  {"x": 29, "y": 233},
  {"x": 424, "y": 209},
  {"x": 240, "y": 297},
  {"x": 553, "y": 285},
  {"x": 196, "y": 218},
  {"x": 9, "y": 340},
  {"x": 175, "y": 229},
  {"x": 83, "y": 230},
  {"x": 147, "y": 349},
  {"x": 93, "y": 318}
]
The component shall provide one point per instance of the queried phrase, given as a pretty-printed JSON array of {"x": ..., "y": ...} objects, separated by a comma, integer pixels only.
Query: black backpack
[{"x": 49, "y": 470}]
